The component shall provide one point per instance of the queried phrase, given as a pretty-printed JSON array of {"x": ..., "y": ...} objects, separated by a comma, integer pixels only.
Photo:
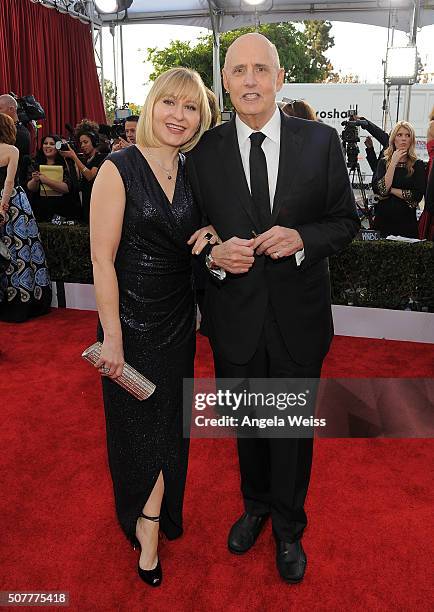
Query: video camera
[
  {"x": 350, "y": 136},
  {"x": 28, "y": 109},
  {"x": 117, "y": 130}
]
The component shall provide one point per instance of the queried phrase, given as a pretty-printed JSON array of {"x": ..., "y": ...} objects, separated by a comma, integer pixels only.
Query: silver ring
[{"x": 104, "y": 370}]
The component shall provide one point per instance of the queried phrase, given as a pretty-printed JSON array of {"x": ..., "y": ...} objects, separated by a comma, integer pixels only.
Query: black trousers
[{"x": 274, "y": 472}]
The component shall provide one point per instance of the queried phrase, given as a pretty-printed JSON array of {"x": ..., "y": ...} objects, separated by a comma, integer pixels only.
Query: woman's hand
[
  {"x": 42, "y": 178},
  {"x": 398, "y": 156},
  {"x": 202, "y": 237},
  {"x": 35, "y": 177},
  {"x": 71, "y": 154},
  {"x": 111, "y": 361}
]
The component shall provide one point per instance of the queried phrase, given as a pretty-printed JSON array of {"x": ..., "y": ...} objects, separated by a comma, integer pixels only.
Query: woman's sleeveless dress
[{"x": 157, "y": 313}]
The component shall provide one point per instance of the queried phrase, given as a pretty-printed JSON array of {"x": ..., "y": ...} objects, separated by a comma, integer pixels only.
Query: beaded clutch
[{"x": 131, "y": 380}]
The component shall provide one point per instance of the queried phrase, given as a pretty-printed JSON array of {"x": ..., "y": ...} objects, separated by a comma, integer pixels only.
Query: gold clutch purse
[{"x": 130, "y": 380}]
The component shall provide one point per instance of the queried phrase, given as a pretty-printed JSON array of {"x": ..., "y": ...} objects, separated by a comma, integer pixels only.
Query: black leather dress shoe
[
  {"x": 244, "y": 532},
  {"x": 291, "y": 561}
]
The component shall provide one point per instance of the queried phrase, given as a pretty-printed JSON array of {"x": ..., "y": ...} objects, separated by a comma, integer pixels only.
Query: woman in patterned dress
[{"x": 25, "y": 287}]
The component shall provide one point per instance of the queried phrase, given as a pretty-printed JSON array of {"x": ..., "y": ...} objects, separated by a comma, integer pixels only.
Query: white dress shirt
[{"x": 271, "y": 148}]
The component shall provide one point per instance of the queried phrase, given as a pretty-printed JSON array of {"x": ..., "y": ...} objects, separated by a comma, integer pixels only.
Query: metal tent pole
[
  {"x": 413, "y": 38},
  {"x": 122, "y": 65},
  {"x": 216, "y": 69}
]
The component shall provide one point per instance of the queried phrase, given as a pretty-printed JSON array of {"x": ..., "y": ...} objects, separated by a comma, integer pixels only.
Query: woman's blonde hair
[
  {"x": 8, "y": 131},
  {"x": 178, "y": 83},
  {"x": 411, "y": 154},
  {"x": 431, "y": 115}
]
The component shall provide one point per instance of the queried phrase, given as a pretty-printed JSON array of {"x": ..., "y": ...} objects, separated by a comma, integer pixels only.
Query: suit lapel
[
  {"x": 235, "y": 176},
  {"x": 291, "y": 146}
]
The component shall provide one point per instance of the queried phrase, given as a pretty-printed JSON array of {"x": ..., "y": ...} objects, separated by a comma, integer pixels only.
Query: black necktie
[{"x": 259, "y": 179}]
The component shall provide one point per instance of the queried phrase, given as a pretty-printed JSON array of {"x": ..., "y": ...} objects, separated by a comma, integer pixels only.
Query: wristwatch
[{"x": 209, "y": 260}]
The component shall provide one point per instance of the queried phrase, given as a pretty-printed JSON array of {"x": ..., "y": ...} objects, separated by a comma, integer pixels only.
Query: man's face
[
  {"x": 7, "y": 109},
  {"x": 130, "y": 131},
  {"x": 252, "y": 79}
]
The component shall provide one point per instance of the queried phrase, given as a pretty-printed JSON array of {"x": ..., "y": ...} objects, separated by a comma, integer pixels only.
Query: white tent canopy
[{"x": 232, "y": 14}]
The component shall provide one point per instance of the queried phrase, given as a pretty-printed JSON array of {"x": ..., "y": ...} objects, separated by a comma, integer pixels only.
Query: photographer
[
  {"x": 130, "y": 134},
  {"x": 400, "y": 182},
  {"x": 50, "y": 196},
  {"x": 8, "y": 106},
  {"x": 87, "y": 164}
]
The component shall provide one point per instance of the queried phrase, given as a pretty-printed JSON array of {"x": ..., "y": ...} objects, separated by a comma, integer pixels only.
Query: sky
[{"x": 351, "y": 52}]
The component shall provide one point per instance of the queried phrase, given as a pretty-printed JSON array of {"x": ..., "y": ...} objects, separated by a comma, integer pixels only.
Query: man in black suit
[{"x": 283, "y": 180}]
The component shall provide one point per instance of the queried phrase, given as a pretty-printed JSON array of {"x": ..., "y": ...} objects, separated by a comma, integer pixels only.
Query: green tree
[
  {"x": 301, "y": 51},
  {"x": 109, "y": 100}
]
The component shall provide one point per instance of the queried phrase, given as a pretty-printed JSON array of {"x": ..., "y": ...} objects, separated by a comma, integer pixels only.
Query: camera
[
  {"x": 64, "y": 145},
  {"x": 117, "y": 130},
  {"x": 350, "y": 136},
  {"x": 28, "y": 108}
]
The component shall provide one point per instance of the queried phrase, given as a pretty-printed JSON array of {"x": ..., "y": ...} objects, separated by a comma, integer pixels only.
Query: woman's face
[
  {"x": 49, "y": 148},
  {"x": 86, "y": 145},
  {"x": 175, "y": 121},
  {"x": 402, "y": 139}
]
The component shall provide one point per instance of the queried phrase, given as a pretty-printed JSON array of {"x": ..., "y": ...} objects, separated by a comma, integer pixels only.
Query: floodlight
[
  {"x": 401, "y": 65},
  {"x": 112, "y": 6},
  {"x": 254, "y": 2}
]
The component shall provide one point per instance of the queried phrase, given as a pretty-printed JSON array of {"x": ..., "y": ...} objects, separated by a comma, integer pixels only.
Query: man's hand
[
  {"x": 121, "y": 144},
  {"x": 199, "y": 240},
  {"x": 236, "y": 255},
  {"x": 368, "y": 142},
  {"x": 278, "y": 242}
]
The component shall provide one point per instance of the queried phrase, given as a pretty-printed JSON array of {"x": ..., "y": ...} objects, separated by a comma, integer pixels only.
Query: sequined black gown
[{"x": 157, "y": 313}]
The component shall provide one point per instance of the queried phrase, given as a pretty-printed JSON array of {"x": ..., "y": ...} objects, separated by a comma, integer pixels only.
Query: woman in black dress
[
  {"x": 87, "y": 165},
  {"x": 51, "y": 197},
  {"x": 400, "y": 182},
  {"x": 142, "y": 215}
]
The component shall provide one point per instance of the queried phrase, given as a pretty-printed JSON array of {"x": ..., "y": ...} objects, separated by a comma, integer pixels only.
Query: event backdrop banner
[{"x": 49, "y": 55}]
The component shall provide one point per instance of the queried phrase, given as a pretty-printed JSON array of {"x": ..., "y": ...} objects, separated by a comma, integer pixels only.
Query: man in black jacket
[{"x": 284, "y": 181}]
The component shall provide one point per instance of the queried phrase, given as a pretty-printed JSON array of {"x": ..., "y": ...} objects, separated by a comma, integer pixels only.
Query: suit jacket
[{"x": 314, "y": 196}]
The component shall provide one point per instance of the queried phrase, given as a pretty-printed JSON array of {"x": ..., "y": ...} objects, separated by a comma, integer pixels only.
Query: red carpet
[{"x": 370, "y": 540}]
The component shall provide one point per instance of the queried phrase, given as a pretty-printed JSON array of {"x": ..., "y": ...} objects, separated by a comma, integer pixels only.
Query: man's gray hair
[{"x": 8, "y": 100}]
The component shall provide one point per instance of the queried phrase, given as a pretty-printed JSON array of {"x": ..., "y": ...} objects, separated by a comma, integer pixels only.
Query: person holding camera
[
  {"x": 87, "y": 165},
  {"x": 400, "y": 182},
  {"x": 25, "y": 286},
  {"x": 52, "y": 195},
  {"x": 377, "y": 133},
  {"x": 130, "y": 127}
]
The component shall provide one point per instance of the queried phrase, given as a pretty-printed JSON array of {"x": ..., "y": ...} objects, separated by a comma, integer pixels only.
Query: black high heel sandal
[{"x": 154, "y": 576}]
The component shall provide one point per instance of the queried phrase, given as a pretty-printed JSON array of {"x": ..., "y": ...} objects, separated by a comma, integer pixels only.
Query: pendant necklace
[{"x": 168, "y": 172}]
